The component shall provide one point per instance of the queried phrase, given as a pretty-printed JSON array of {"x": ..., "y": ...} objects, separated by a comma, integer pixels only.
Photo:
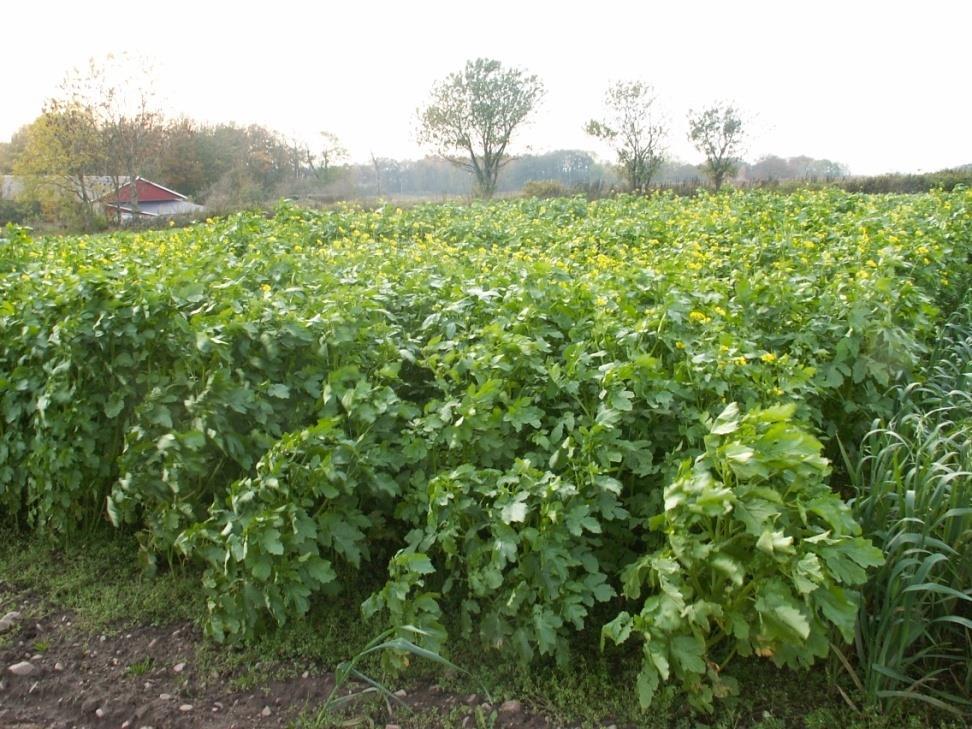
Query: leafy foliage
[
  {"x": 717, "y": 132},
  {"x": 633, "y": 130},
  {"x": 472, "y": 114},
  {"x": 757, "y": 558},
  {"x": 521, "y": 410}
]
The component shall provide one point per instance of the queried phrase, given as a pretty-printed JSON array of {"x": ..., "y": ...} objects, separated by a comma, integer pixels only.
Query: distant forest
[{"x": 227, "y": 165}]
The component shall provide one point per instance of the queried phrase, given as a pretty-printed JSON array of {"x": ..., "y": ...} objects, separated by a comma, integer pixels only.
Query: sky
[{"x": 878, "y": 86}]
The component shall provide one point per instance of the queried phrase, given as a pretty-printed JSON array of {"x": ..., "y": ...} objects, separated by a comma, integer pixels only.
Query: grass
[
  {"x": 140, "y": 668},
  {"x": 106, "y": 594},
  {"x": 101, "y": 583},
  {"x": 913, "y": 485}
]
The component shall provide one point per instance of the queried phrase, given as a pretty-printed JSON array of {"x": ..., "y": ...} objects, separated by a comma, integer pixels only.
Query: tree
[
  {"x": 633, "y": 130},
  {"x": 717, "y": 132},
  {"x": 770, "y": 167},
  {"x": 61, "y": 153},
  {"x": 103, "y": 123},
  {"x": 565, "y": 166},
  {"x": 9, "y": 151},
  {"x": 182, "y": 164},
  {"x": 472, "y": 115},
  {"x": 810, "y": 168},
  {"x": 332, "y": 152},
  {"x": 118, "y": 93}
]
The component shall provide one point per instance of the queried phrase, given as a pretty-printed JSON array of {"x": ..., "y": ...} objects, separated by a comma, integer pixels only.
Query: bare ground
[{"x": 147, "y": 676}]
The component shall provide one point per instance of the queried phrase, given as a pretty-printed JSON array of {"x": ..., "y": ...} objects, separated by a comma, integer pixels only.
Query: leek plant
[{"x": 913, "y": 484}]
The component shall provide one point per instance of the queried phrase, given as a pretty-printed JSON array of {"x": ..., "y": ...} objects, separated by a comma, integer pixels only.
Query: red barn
[{"x": 154, "y": 201}]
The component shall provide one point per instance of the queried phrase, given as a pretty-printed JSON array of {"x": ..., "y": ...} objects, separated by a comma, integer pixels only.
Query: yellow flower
[
  {"x": 740, "y": 360},
  {"x": 265, "y": 288},
  {"x": 768, "y": 358},
  {"x": 698, "y": 316},
  {"x": 679, "y": 345}
]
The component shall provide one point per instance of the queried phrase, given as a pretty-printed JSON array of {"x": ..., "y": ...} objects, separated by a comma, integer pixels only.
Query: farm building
[{"x": 154, "y": 201}]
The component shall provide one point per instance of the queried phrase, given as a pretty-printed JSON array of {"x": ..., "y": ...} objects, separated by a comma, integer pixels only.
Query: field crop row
[{"x": 540, "y": 417}]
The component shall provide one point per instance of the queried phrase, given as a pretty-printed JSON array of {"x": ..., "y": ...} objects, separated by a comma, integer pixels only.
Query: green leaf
[
  {"x": 774, "y": 413},
  {"x": 840, "y": 607},
  {"x": 621, "y": 400},
  {"x": 618, "y": 630},
  {"x": 657, "y": 655},
  {"x": 416, "y": 562},
  {"x": 775, "y": 542},
  {"x": 849, "y": 559},
  {"x": 193, "y": 439},
  {"x": 793, "y": 619},
  {"x": 756, "y": 514},
  {"x": 321, "y": 570},
  {"x": 647, "y": 684},
  {"x": 269, "y": 540},
  {"x": 731, "y": 568},
  {"x": 738, "y": 453},
  {"x": 808, "y": 575},
  {"x": 114, "y": 405},
  {"x": 688, "y": 651},
  {"x": 261, "y": 567},
  {"x": 546, "y": 624},
  {"x": 578, "y": 519},
  {"x": 727, "y": 421},
  {"x": 522, "y": 413},
  {"x": 863, "y": 552},
  {"x": 515, "y": 511}
]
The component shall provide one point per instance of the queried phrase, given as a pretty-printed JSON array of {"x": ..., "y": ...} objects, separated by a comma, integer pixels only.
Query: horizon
[{"x": 874, "y": 86}]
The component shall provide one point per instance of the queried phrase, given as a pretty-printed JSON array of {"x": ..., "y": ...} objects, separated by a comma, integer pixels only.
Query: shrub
[{"x": 544, "y": 189}]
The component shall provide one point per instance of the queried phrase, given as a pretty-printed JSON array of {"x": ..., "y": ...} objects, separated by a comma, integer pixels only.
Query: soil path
[{"x": 57, "y": 676}]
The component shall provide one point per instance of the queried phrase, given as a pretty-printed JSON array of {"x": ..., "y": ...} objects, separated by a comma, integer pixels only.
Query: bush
[
  {"x": 18, "y": 213},
  {"x": 544, "y": 189}
]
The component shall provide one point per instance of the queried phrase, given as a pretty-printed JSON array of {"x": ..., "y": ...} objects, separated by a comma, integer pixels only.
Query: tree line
[{"x": 105, "y": 126}]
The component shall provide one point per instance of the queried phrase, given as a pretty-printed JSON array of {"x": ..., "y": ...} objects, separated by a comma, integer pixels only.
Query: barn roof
[{"x": 148, "y": 191}]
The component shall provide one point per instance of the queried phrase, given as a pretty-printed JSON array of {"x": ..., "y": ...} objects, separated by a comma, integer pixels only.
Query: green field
[{"x": 522, "y": 423}]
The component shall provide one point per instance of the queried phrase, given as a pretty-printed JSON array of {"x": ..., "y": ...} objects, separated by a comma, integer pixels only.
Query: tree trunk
[
  {"x": 487, "y": 184},
  {"x": 116, "y": 184},
  {"x": 132, "y": 179}
]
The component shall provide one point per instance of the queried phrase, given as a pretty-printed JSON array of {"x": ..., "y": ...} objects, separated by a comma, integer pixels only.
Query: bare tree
[
  {"x": 376, "y": 166},
  {"x": 633, "y": 129},
  {"x": 332, "y": 152},
  {"x": 472, "y": 115},
  {"x": 118, "y": 94},
  {"x": 717, "y": 132},
  {"x": 300, "y": 160}
]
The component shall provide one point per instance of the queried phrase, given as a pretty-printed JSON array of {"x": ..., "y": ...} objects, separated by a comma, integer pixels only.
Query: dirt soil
[{"x": 144, "y": 677}]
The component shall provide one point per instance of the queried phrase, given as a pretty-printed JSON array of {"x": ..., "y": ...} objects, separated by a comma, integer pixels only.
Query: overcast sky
[{"x": 879, "y": 86}]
